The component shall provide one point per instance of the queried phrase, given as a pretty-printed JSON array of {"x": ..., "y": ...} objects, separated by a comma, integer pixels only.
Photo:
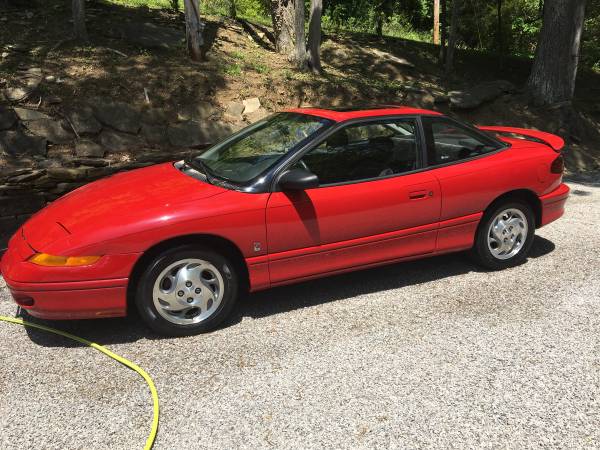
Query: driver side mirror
[{"x": 298, "y": 180}]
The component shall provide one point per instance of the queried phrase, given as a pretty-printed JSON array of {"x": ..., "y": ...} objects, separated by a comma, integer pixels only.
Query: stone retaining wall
[{"x": 45, "y": 155}]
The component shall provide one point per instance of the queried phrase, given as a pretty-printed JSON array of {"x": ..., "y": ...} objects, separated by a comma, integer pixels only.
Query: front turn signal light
[{"x": 44, "y": 259}]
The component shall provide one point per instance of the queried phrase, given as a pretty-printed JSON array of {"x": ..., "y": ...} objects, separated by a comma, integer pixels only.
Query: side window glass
[
  {"x": 448, "y": 142},
  {"x": 364, "y": 151}
]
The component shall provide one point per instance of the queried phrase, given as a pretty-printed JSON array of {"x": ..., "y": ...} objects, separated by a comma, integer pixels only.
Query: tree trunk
[
  {"x": 499, "y": 31},
  {"x": 314, "y": 35},
  {"x": 193, "y": 29},
  {"x": 452, "y": 37},
  {"x": 282, "y": 15},
  {"x": 175, "y": 5},
  {"x": 379, "y": 24},
  {"x": 436, "y": 22},
  {"x": 444, "y": 25},
  {"x": 79, "y": 27},
  {"x": 552, "y": 77},
  {"x": 232, "y": 9},
  {"x": 299, "y": 55}
]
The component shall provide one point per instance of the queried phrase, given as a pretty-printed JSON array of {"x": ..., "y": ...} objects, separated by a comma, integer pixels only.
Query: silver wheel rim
[
  {"x": 188, "y": 291},
  {"x": 507, "y": 233}
]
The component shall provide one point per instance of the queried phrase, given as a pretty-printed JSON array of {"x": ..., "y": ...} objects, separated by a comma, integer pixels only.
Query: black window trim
[
  {"x": 485, "y": 136},
  {"x": 419, "y": 135}
]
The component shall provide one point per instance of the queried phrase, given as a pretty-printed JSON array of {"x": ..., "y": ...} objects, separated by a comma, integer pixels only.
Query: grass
[{"x": 234, "y": 70}]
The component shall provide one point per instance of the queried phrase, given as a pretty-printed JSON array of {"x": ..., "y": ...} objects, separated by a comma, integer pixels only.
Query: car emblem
[{"x": 257, "y": 247}]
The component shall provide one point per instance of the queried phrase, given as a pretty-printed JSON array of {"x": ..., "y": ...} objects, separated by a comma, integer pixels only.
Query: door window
[
  {"x": 449, "y": 142},
  {"x": 364, "y": 151}
]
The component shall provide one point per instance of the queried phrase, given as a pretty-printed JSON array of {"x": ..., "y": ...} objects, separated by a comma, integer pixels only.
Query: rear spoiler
[{"x": 551, "y": 140}]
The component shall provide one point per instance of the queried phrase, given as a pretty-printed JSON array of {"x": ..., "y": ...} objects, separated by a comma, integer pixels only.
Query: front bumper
[
  {"x": 553, "y": 204},
  {"x": 99, "y": 290}
]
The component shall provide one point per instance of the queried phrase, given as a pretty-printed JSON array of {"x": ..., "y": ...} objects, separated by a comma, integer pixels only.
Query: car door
[
  {"x": 374, "y": 203},
  {"x": 472, "y": 173}
]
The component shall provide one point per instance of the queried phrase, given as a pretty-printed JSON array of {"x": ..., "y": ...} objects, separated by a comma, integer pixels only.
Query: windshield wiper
[{"x": 200, "y": 166}]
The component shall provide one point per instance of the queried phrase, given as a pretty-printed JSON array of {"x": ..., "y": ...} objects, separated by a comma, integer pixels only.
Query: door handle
[{"x": 416, "y": 195}]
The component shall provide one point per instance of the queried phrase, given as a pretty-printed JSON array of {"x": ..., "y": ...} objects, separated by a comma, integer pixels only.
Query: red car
[{"x": 302, "y": 194}]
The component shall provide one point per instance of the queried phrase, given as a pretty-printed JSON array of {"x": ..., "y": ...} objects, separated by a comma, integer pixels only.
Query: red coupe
[{"x": 302, "y": 194}]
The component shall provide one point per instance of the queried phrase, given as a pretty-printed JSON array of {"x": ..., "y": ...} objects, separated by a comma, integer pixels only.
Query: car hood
[{"x": 121, "y": 198}]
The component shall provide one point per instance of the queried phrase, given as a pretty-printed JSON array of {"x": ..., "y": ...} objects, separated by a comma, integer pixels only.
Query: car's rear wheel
[
  {"x": 504, "y": 236},
  {"x": 187, "y": 291}
]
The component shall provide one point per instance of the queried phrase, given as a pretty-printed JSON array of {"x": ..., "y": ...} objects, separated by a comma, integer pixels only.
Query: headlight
[{"x": 43, "y": 259}]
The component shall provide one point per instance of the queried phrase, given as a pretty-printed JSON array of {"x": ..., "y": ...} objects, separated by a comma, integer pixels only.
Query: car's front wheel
[
  {"x": 504, "y": 236},
  {"x": 187, "y": 291}
]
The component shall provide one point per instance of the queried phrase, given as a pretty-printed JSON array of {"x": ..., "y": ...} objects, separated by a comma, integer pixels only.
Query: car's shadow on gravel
[{"x": 282, "y": 299}]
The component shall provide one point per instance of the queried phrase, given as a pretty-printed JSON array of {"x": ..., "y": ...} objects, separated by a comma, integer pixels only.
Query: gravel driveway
[{"x": 433, "y": 353}]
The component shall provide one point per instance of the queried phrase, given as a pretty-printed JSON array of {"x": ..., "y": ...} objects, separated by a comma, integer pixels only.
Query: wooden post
[{"x": 436, "y": 22}]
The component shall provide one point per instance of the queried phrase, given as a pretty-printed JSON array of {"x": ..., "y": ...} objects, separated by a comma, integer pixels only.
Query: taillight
[{"x": 557, "y": 165}]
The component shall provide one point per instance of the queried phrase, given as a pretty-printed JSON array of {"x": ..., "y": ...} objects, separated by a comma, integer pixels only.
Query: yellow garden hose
[{"x": 125, "y": 362}]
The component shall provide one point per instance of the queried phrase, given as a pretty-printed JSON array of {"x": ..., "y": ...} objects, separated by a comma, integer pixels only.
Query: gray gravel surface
[{"x": 432, "y": 353}]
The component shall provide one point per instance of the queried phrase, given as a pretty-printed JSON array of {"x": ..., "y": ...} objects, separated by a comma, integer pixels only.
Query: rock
[
  {"x": 30, "y": 114},
  {"x": 199, "y": 111},
  {"x": 26, "y": 84},
  {"x": 234, "y": 111},
  {"x": 44, "y": 182},
  {"x": 92, "y": 162},
  {"x": 15, "y": 143},
  {"x": 67, "y": 173},
  {"x": 155, "y": 134},
  {"x": 118, "y": 115},
  {"x": 53, "y": 100},
  {"x": 21, "y": 204},
  {"x": 251, "y": 105},
  {"x": 87, "y": 148},
  {"x": 154, "y": 116},
  {"x": 257, "y": 115},
  {"x": 187, "y": 134},
  {"x": 479, "y": 94},
  {"x": 84, "y": 122},
  {"x": 5, "y": 55},
  {"x": 148, "y": 35},
  {"x": 194, "y": 134},
  {"x": 51, "y": 129},
  {"x": 7, "y": 118},
  {"x": 24, "y": 178},
  {"x": 118, "y": 142},
  {"x": 439, "y": 99},
  {"x": 94, "y": 173},
  {"x": 50, "y": 78},
  {"x": 63, "y": 188}
]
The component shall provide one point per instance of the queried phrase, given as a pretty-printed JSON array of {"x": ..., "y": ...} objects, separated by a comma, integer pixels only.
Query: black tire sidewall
[
  {"x": 481, "y": 251},
  {"x": 144, "y": 301}
]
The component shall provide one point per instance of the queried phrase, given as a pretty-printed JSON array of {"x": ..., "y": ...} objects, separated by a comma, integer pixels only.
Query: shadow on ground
[{"x": 283, "y": 299}]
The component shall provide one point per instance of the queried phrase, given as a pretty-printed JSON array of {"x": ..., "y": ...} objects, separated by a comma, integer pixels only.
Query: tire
[
  {"x": 487, "y": 251},
  {"x": 186, "y": 291}
]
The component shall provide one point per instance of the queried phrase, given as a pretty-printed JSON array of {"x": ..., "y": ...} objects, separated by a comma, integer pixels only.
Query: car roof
[{"x": 343, "y": 114}]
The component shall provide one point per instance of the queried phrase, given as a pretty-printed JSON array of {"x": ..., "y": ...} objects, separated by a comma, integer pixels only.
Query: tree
[
  {"x": 314, "y": 35},
  {"x": 193, "y": 29},
  {"x": 452, "y": 36},
  {"x": 79, "y": 27},
  {"x": 282, "y": 15},
  {"x": 443, "y": 22},
  {"x": 552, "y": 77},
  {"x": 299, "y": 56},
  {"x": 436, "y": 22}
]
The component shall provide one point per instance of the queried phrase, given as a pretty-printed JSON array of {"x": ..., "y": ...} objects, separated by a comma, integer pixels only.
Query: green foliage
[
  {"x": 234, "y": 70},
  {"x": 412, "y": 19}
]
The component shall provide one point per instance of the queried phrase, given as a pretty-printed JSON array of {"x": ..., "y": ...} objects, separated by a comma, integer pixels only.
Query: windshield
[{"x": 253, "y": 150}]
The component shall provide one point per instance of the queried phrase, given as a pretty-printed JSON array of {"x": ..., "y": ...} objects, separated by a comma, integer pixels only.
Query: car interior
[{"x": 364, "y": 152}]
